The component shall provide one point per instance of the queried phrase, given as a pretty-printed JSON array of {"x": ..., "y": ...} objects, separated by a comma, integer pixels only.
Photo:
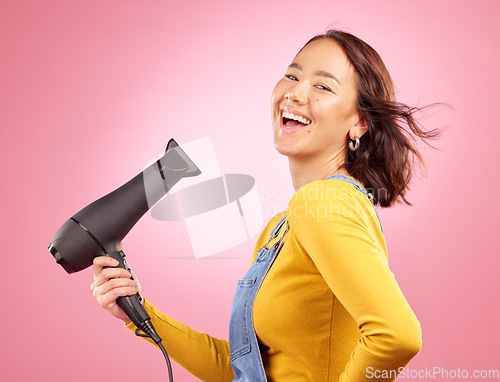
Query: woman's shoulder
[
  {"x": 328, "y": 193},
  {"x": 332, "y": 206},
  {"x": 334, "y": 202}
]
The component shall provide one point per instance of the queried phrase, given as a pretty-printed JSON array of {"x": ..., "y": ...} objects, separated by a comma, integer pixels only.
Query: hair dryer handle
[{"x": 131, "y": 305}]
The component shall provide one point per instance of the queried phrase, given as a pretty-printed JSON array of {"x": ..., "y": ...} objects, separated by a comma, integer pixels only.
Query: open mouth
[{"x": 293, "y": 119}]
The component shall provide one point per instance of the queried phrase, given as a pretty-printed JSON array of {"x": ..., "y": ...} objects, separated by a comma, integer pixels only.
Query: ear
[{"x": 359, "y": 128}]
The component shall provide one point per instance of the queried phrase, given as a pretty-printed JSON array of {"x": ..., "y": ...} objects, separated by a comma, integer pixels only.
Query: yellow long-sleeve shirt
[{"x": 329, "y": 308}]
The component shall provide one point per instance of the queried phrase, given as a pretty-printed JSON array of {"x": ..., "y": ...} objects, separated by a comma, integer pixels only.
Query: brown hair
[{"x": 388, "y": 151}]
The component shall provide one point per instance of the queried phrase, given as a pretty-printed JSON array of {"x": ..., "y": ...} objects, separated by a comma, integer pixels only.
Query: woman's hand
[{"x": 111, "y": 283}]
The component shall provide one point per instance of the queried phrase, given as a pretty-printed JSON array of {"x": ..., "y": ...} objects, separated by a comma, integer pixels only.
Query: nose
[{"x": 297, "y": 94}]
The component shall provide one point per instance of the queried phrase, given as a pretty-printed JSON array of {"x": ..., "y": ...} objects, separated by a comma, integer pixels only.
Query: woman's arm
[
  {"x": 331, "y": 221},
  {"x": 205, "y": 357}
]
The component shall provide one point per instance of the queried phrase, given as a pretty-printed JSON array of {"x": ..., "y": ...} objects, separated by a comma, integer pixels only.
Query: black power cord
[
  {"x": 169, "y": 366},
  {"x": 149, "y": 332}
]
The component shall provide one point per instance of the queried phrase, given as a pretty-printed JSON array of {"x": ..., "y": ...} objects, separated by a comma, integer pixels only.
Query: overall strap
[
  {"x": 244, "y": 350},
  {"x": 359, "y": 187},
  {"x": 276, "y": 229}
]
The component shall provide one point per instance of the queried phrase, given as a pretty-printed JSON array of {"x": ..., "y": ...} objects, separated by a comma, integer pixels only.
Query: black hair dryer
[{"x": 98, "y": 229}]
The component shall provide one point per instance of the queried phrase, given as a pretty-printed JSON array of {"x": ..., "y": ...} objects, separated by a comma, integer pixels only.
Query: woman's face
[{"x": 319, "y": 88}]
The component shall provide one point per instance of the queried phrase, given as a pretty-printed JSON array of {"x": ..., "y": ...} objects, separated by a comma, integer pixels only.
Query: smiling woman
[
  {"x": 319, "y": 302},
  {"x": 320, "y": 86},
  {"x": 343, "y": 83}
]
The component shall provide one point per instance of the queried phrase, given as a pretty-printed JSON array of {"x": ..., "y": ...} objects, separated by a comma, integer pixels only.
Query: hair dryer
[{"x": 98, "y": 229}]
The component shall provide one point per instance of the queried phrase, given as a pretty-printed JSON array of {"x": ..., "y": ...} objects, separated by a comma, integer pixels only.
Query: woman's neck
[{"x": 304, "y": 171}]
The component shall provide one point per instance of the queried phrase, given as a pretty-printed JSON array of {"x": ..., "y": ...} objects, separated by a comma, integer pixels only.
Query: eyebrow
[{"x": 321, "y": 73}]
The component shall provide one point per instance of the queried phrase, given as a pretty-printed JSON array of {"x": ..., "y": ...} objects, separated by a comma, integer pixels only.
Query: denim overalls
[{"x": 245, "y": 357}]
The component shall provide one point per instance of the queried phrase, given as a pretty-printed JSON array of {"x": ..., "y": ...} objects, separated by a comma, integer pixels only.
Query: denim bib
[{"x": 245, "y": 356}]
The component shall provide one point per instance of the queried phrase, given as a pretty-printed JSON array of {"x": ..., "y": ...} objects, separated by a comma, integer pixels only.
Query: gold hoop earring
[{"x": 352, "y": 146}]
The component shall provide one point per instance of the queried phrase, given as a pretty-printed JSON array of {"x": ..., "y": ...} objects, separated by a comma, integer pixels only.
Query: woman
[{"x": 319, "y": 302}]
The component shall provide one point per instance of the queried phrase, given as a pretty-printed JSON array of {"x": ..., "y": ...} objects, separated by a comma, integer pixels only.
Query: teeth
[{"x": 298, "y": 118}]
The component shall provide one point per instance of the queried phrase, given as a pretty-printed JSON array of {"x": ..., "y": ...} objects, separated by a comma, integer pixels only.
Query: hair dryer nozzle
[{"x": 193, "y": 170}]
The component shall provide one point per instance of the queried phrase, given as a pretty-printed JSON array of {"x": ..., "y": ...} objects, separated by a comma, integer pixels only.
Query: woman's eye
[
  {"x": 289, "y": 76},
  {"x": 323, "y": 87}
]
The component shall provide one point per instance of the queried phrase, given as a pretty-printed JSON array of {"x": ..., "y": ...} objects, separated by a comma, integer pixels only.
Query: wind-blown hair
[{"x": 388, "y": 151}]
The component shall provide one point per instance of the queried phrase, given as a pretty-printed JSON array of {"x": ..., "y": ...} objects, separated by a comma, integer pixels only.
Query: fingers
[
  {"x": 109, "y": 274},
  {"x": 115, "y": 283},
  {"x": 110, "y": 283},
  {"x": 106, "y": 297},
  {"x": 108, "y": 300},
  {"x": 103, "y": 261},
  {"x": 107, "y": 293},
  {"x": 137, "y": 283}
]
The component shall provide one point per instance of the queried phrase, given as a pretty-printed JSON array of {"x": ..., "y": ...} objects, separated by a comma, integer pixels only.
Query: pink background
[{"x": 92, "y": 90}]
